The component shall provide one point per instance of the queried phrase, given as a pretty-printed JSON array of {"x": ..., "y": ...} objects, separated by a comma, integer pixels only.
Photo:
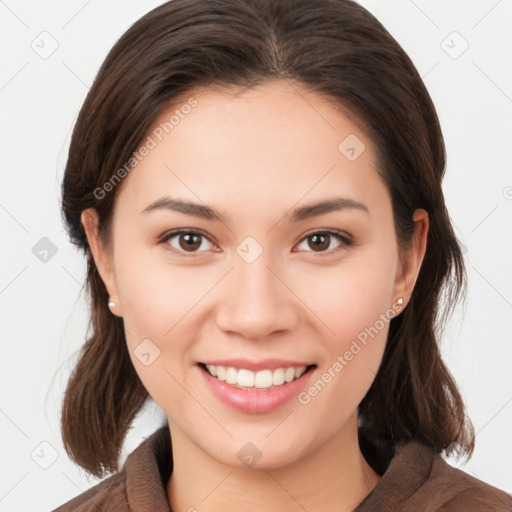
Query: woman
[{"x": 257, "y": 187}]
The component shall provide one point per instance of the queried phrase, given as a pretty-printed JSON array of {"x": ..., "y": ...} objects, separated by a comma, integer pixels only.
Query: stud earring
[
  {"x": 400, "y": 301},
  {"x": 111, "y": 303}
]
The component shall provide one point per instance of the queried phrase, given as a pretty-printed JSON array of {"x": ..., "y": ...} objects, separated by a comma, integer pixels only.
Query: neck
[{"x": 336, "y": 473}]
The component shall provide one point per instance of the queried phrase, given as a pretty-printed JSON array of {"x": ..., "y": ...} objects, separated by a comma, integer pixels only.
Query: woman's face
[{"x": 258, "y": 280}]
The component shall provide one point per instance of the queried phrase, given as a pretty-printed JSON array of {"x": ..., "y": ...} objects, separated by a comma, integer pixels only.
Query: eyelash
[{"x": 345, "y": 241}]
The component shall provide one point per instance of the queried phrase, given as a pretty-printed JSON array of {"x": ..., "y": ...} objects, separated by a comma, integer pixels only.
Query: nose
[{"x": 255, "y": 301}]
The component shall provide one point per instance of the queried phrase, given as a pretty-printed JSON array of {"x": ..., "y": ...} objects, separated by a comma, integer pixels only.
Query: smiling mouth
[{"x": 260, "y": 380}]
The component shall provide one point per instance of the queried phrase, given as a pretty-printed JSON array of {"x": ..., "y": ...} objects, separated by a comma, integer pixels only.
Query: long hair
[{"x": 335, "y": 48}]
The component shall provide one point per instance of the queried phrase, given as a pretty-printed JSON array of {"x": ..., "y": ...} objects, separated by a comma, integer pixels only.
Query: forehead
[{"x": 275, "y": 143}]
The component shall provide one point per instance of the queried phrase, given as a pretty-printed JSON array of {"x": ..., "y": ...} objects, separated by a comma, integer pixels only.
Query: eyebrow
[{"x": 298, "y": 214}]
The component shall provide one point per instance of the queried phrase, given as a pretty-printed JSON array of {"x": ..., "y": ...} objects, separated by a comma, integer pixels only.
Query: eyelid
[{"x": 328, "y": 231}]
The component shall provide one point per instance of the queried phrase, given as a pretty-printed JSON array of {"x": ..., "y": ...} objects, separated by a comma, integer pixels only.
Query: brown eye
[
  {"x": 189, "y": 241},
  {"x": 186, "y": 241},
  {"x": 325, "y": 241},
  {"x": 319, "y": 242}
]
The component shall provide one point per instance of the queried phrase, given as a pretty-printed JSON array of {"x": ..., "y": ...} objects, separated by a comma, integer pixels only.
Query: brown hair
[{"x": 333, "y": 47}]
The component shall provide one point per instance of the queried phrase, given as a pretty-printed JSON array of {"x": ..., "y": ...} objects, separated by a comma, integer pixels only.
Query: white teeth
[
  {"x": 278, "y": 377},
  {"x": 264, "y": 379},
  {"x": 221, "y": 373},
  {"x": 289, "y": 374},
  {"x": 231, "y": 375},
  {"x": 246, "y": 378}
]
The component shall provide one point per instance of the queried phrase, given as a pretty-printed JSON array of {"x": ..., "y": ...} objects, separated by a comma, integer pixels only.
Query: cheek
[
  {"x": 154, "y": 296},
  {"x": 155, "y": 303},
  {"x": 353, "y": 356},
  {"x": 352, "y": 296},
  {"x": 355, "y": 305}
]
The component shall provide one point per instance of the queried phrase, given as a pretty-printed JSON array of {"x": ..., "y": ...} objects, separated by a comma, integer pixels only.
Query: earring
[
  {"x": 400, "y": 301},
  {"x": 111, "y": 303}
]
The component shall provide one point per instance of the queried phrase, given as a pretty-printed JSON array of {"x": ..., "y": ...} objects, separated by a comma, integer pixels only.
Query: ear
[
  {"x": 102, "y": 256},
  {"x": 410, "y": 261}
]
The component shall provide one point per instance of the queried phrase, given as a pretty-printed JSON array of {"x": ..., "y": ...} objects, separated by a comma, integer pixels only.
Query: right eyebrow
[{"x": 186, "y": 207}]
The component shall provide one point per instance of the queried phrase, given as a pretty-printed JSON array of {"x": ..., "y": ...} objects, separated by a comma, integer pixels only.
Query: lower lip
[{"x": 257, "y": 400}]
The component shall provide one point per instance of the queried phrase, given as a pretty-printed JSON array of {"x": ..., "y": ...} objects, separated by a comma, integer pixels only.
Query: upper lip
[{"x": 255, "y": 366}]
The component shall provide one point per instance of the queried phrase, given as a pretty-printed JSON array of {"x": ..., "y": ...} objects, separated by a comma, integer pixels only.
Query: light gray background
[{"x": 44, "y": 315}]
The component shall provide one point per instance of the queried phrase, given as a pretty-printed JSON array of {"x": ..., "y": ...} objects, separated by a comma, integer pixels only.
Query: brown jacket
[{"x": 415, "y": 480}]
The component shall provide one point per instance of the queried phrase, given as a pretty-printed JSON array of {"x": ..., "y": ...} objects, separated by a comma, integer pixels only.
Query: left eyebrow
[
  {"x": 331, "y": 205},
  {"x": 298, "y": 214}
]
